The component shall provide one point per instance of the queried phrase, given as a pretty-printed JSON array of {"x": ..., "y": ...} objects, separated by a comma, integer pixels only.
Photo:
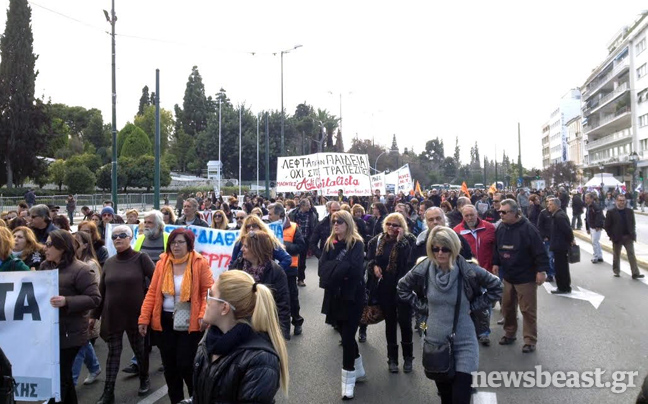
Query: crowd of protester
[{"x": 413, "y": 253}]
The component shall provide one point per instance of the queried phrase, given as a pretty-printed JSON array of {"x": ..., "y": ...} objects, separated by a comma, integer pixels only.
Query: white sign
[
  {"x": 215, "y": 245},
  {"x": 400, "y": 180},
  {"x": 29, "y": 333},
  {"x": 378, "y": 183},
  {"x": 324, "y": 172}
]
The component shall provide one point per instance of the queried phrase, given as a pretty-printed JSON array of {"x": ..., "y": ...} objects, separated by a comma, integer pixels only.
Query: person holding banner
[
  {"x": 7, "y": 261},
  {"x": 168, "y": 215},
  {"x": 256, "y": 259},
  {"x": 220, "y": 221},
  {"x": 180, "y": 283},
  {"x": 78, "y": 294}
]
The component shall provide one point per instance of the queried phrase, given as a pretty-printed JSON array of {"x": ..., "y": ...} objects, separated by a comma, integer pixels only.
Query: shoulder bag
[
  {"x": 438, "y": 360},
  {"x": 181, "y": 316},
  {"x": 574, "y": 254}
]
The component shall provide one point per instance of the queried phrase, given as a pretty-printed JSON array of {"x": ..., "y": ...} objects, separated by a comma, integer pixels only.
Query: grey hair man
[
  {"x": 190, "y": 214},
  {"x": 153, "y": 239},
  {"x": 41, "y": 222},
  {"x": 455, "y": 217}
]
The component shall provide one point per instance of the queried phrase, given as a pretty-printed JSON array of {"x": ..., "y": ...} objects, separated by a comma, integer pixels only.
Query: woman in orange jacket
[{"x": 174, "y": 308}]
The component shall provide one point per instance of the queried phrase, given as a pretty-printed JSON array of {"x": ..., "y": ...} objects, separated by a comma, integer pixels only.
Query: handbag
[
  {"x": 181, "y": 316},
  {"x": 372, "y": 313},
  {"x": 438, "y": 360},
  {"x": 574, "y": 254}
]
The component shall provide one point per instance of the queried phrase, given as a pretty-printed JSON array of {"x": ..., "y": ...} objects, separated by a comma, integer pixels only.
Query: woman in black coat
[
  {"x": 388, "y": 254},
  {"x": 256, "y": 259},
  {"x": 341, "y": 273},
  {"x": 242, "y": 357}
]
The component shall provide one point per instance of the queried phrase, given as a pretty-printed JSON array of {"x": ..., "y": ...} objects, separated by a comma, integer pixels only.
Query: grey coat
[{"x": 412, "y": 288}]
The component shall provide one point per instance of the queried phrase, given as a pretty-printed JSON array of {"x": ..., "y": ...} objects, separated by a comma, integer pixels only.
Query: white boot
[
  {"x": 348, "y": 384},
  {"x": 359, "y": 370}
]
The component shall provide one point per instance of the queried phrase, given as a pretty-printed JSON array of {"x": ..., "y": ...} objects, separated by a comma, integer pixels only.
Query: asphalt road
[{"x": 573, "y": 336}]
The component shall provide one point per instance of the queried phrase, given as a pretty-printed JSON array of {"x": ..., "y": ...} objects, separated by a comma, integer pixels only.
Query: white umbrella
[{"x": 607, "y": 179}]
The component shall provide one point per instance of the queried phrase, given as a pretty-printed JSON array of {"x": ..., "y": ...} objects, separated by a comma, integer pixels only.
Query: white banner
[
  {"x": 325, "y": 172},
  {"x": 399, "y": 180},
  {"x": 378, "y": 183},
  {"x": 215, "y": 245},
  {"x": 29, "y": 333}
]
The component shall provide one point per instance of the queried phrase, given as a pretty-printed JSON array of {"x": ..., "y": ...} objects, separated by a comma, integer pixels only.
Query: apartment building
[
  {"x": 615, "y": 108},
  {"x": 554, "y": 132}
]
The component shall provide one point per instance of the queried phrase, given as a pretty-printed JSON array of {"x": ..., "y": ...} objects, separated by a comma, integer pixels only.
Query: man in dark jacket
[
  {"x": 523, "y": 262},
  {"x": 323, "y": 229},
  {"x": 294, "y": 244},
  {"x": 544, "y": 227},
  {"x": 492, "y": 215},
  {"x": 560, "y": 239},
  {"x": 41, "y": 222},
  {"x": 577, "y": 211},
  {"x": 455, "y": 217},
  {"x": 190, "y": 214},
  {"x": 620, "y": 228},
  {"x": 306, "y": 219},
  {"x": 594, "y": 222}
]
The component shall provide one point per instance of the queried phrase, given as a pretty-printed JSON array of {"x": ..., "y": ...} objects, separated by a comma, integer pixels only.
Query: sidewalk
[{"x": 641, "y": 249}]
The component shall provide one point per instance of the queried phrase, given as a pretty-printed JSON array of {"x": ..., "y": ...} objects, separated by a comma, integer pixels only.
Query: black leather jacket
[
  {"x": 249, "y": 374},
  {"x": 412, "y": 289}
]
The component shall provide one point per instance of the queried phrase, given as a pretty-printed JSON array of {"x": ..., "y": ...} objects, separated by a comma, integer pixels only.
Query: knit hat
[{"x": 107, "y": 210}]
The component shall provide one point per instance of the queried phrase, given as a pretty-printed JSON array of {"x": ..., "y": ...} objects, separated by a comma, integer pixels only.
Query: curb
[{"x": 643, "y": 264}]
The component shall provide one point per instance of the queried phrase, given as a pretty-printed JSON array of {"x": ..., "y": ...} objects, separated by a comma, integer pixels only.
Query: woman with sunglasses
[
  {"x": 78, "y": 294},
  {"x": 243, "y": 356},
  {"x": 342, "y": 261},
  {"x": 388, "y": 255},
  {"x": 431, "y": 289},
  {"x": 220, "y": 221},
  {"x": 122, "y": 291},
  {"x": 90, "y": 227},
  {"x": 182, "y": 277},
  {"x": 254, "y": 223},
  {"x": 168, "y": 215}
]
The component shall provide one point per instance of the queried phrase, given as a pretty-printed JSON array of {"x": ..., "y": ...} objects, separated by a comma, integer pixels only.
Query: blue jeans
[
  {"x": 86, "y": 354},
  {"x": 552, "y": 270}
]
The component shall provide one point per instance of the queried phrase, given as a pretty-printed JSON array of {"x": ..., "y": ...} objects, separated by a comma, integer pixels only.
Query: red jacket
[{"x": 481, "y": 240}]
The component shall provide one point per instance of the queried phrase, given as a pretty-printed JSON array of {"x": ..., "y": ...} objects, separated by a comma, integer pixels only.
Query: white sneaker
[
  {"x": 92, "y": 377},
  {"x": 359, "y": 369}
]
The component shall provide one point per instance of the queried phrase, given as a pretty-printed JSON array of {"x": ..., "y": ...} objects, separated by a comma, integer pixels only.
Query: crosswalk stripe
[
  {"x": 483, "y": 397},
  {"x": 155, "y": 396}
]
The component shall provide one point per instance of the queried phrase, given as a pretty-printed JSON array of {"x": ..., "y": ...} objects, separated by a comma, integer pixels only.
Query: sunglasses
[
  {"x": 219, "y": 216},
  {"x": 210, "y": 297},
  {"x": 442, "y": 249},
  {"x": 166, "y": 213},
  {"x": 339, "y": 221},
  {"x": 120, "y": 235},
  {"x": 396, "y": 225},
  {"x": 251, "y": 226},
  {"x": 48, "y": 244},
  {"x": 503, "y": 212},
  {"x": 240, "y": 218}
]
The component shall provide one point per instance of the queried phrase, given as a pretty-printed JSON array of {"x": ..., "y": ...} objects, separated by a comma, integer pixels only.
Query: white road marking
[
  {"x": 484, "y": 398},
  {"x": 155, "y": 396},
  {"x": 580, "y": 294}
]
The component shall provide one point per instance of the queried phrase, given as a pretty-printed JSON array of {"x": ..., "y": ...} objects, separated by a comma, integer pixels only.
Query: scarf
[
  {"x": 168, "y": 287},
  {"x": 221, "y": 344},
  {"x": 393, "y": 256},
  {"x": 256, "y": 271}
]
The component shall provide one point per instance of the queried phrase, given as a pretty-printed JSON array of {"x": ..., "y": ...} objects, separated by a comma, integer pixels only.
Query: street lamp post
[
  {"x": 376, "y": 163},
  {"x": 283, "y": 114},
  {"x": 634, "y": 157},
  {"x": 112, "y": 19}
]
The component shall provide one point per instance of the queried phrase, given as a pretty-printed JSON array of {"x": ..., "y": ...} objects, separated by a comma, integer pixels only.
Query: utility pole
[
  {"x": 267, "y": 157},
  {"x": 112, "y": 19},
  {"x": 156, "y": 181},
  {"x": 520, "y": 154}
]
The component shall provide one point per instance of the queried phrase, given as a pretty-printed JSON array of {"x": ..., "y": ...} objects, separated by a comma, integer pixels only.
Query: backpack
[{"x": 7, "y": 381}]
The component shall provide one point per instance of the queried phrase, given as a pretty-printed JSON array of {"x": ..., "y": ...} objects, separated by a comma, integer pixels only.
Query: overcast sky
[{"x": 417, "y": 69}]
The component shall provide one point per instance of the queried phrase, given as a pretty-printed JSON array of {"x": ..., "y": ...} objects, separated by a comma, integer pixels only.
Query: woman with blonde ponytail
[{"x": 242, "y": 358}]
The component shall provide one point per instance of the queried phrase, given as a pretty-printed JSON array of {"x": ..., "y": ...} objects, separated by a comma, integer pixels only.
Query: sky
[{"x": 416, "y": 69}]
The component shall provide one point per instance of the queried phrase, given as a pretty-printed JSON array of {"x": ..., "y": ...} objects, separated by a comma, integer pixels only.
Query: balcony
[
  {"x": 621, "y": 66},
  {"x": 609, "y": 139},
  {"x": 621, "y": 119},
  {"x": 605, "y": 100}
]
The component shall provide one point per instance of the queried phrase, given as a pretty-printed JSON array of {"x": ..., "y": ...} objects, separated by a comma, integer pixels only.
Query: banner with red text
[
  {"x": 400, "y": 180},
  {"x": 326, "y": 173},
  {"x": 378, "y": 183}
]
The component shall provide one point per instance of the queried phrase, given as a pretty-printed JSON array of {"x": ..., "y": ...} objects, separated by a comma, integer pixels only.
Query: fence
[{"x": 124, "y": 201}]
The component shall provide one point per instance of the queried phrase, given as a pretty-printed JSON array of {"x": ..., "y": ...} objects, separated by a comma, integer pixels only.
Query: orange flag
[
  {"x": 418, "y": 188},
  {"x": 493, "y": 189},
  {"x": 464, "y": 189}
]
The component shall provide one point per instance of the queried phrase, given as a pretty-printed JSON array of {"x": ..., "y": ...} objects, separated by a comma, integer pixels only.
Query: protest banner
[
  {"x": 213, "y": 244},
  {"x": 29, "y": 333},
  {"x": 405, "y": 183},
  {"x": 324, "y": 172},
  {"x": 378, "y": 183}
]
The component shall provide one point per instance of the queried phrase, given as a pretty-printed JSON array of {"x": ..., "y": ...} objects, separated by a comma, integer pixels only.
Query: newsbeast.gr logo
[{"x": 538, "y": 378}]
